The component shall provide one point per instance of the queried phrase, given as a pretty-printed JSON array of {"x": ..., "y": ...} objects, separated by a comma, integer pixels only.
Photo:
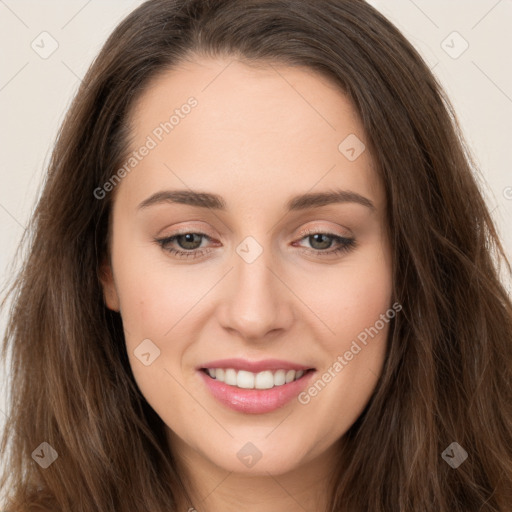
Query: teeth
[
  {"x": 264, "y": 380},
  {"x": 249, "y": 380},
  {"x": 230, "y": 377},
  {"x": 245, "y": 380},
  {"x": 279, "y": 378}
]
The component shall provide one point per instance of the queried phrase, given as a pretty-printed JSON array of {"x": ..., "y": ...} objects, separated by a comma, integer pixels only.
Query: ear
[{"x": 110, "y": 295}]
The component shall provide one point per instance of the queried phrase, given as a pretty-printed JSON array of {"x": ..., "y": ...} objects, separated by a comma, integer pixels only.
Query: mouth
[
  {"x": 266, "y": 379},
  {"x": 255, "y": 387}
]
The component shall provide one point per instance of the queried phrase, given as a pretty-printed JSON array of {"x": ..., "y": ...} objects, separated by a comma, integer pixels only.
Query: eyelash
[{"x": 346, "y": 244}]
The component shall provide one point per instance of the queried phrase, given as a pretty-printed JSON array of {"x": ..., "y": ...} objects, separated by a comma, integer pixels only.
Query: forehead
[{"x": 252, "y": 128}]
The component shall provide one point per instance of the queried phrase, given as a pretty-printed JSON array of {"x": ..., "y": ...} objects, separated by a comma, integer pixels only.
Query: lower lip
[{"x": 255, "y": 401}]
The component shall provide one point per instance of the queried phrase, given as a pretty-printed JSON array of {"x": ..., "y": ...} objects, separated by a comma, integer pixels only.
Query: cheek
[
  {"x": 354, "y": 301},
  {"x": 154, "y": 297},
  {"x": 159, "y": 303},
  {"x": 350, "y": 297},
  {"x": 152, "y": 304},
  {"x": 357, "y": 350}
]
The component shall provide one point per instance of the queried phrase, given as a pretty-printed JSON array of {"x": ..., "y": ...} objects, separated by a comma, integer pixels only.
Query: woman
[{"x": 261, "y": 275}]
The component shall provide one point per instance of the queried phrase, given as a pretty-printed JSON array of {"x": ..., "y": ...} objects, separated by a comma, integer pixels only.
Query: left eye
[
  {"x": 321, "y": 241},
  {"x": 189, "y": 244}
]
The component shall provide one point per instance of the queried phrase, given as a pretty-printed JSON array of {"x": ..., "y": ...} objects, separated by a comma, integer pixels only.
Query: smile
[
  {"x": 243, "y": 379},
  {"x": 254, "y": 387}
]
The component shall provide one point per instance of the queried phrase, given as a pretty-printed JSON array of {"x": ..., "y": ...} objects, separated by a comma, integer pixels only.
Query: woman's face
[{"x": 282, "y": 284}]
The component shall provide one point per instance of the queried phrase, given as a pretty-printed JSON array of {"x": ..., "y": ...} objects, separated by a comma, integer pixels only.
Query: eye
[
  {"x": 189, "y": 244},
  {"x": 321, "y": 243},
  {"x": 189, "y": 241}
]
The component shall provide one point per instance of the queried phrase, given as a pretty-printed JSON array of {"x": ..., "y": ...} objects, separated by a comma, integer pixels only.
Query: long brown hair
[{"x": 448, "y": 371}]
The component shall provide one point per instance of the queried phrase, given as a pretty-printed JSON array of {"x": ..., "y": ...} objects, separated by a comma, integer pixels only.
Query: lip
[
  {"x": 254, "y": 366},
  {"x": 256, "y": 401}
]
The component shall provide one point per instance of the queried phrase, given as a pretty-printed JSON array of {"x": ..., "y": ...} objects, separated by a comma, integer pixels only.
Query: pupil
[
  {"x": 317, "y": 238},
  {"x": 188, "y": 238}
]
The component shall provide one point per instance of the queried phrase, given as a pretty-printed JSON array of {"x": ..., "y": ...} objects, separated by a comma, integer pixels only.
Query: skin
[{"x": 258, "y": 136}]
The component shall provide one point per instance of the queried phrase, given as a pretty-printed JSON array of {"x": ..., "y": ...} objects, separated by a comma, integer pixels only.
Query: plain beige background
[{"x": 467, "y": 43}]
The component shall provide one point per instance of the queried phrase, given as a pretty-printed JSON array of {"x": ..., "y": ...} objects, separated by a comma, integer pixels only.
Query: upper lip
[{"x": 254, "y": 366}]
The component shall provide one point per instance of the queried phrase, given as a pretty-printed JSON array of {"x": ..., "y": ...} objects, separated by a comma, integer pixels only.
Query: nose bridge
[{"x": 257, "y": 301}]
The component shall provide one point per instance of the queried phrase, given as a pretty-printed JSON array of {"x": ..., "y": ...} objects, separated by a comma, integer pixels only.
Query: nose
[{"x": 257, "y": 304}]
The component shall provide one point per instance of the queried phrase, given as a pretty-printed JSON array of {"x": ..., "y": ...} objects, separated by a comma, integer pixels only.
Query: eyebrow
[{"x": 216, "y": 202}]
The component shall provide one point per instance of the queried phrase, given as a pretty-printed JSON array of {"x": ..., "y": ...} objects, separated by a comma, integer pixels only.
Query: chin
[{"x": 258, "y": 458}]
